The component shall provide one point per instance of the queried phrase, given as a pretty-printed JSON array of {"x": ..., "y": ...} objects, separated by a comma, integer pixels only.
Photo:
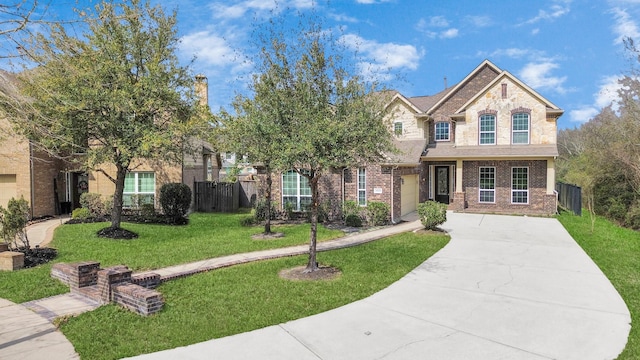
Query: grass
[
  {"x": 616, "y": 251},
  {"x": 206, "y": 236},
  {"x": 246, "y": 297}
]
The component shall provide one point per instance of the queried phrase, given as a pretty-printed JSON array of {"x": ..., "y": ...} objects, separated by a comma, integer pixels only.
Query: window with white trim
[
  {"x": 139, "y": 189},
  {"x": 397, "y": 128},
  {"x": 487, "y": 129},
  {"x": 362, "y": 187},
  {"x": 442, "y": 131},
  {"x": 487, "y": 185},
  {"x": 296, "y": 190},
  {"x": 520, "y": 128},
  {"x": 520, "y": 185}
]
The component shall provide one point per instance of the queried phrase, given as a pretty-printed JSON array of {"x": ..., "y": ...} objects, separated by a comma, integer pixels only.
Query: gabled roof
[
  {"x": 506, "y": 74},
  {"x": 455, "y": 88},
  {"x": 401, "y": 98}
]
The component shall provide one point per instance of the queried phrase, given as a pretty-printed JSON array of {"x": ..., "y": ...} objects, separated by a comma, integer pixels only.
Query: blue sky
[{"x": 570, "y": 51}]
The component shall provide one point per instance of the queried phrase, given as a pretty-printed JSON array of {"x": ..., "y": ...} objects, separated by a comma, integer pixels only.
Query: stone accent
[
  {"x": 11, "y": 260},
  {"x": 113, "y": 284},
  {"x": 138, "y": 299}
]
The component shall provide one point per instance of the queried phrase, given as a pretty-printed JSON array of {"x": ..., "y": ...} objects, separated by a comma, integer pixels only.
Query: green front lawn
[
  {"x": 616, "y": 251},
  {"x": 206, "y": 236},
  {"x": 246, "y": 297}
]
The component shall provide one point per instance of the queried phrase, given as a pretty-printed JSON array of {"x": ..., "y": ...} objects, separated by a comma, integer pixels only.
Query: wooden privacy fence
[
  {"x": 216, "y": 196},
  {"x": 570, "y": 197},
  {"x": 248, "y": 193}
]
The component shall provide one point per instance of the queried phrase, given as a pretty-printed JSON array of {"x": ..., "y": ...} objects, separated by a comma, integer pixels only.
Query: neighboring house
[
  {"x": 53, "y": 186},
  {"x": 232, "y": 166},
  {"x": 487, "y": 144}
]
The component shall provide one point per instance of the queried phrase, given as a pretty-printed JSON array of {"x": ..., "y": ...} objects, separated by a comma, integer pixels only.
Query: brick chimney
[{"x": 202, "y": 89}]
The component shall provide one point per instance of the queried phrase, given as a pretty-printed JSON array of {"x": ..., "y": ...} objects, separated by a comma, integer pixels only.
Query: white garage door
[
  {"x": 408, "y": 194},
  {"x": 8, "y": 189}
]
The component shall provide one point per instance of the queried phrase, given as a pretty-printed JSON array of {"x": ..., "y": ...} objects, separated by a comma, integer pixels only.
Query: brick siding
[{"x": 539, "y": 202}]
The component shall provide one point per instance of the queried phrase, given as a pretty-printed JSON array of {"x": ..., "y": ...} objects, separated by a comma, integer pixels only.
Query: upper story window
[
  {"x": 442, "y": 131},
  {"x": 397, "y": 128},
  {"x": 487, "y": 129},
  {"x": 520, "y": 128}
]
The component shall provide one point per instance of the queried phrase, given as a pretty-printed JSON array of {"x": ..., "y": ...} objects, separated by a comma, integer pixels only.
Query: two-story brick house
[
  {"x": 486, "y": 144},
  {"x": 53, "y": 186}
]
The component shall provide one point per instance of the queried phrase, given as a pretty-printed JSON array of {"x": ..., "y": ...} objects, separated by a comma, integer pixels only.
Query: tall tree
[
  {"x": 116, "y": 93},
  {"x": 328, "y": 117}
]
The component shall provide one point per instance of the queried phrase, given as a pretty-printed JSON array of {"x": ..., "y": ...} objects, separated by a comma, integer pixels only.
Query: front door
[{"x": 442, "y": 184}]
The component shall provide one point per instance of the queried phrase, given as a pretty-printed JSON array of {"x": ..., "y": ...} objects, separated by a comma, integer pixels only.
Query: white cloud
[
  {"x": 624, "y": 26},
  {"x": 606, "y": 95},
  {"x": 538, "y": 76},
  {"x": 479, "y": 21},
  {"x": 367, "y": 2},
  {"x": 223, "y": 11},
  {"x": 583, "y": 114},
  {"x": 438, "y": 21},
  {"x": 426, "y": 26},
  {"x": 535, "y": 31},
  {"x": 555, "y": 11},
  {"x": 449, "y": 34},
  {"x": 343, "y": 18},
  {"x": 516, "y": 53},
  {"x": 380, "y": 59}
]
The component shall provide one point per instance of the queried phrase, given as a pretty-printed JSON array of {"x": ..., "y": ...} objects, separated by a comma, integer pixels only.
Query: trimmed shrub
[
  {"x": 147, "y": 210},
  {"x": 378, "y": 213},
  {"x": 350, "y": 207},
  {"x": 432, "y": 214},
  {"x": 260, "y": 210},
  {"x": 80, "y": 213},
  {"x": 93, "y": 202},
  {"x": 175, "y": 199},
  {"x": 353, "y": 220},
  {"x": 13, "y": 222}
]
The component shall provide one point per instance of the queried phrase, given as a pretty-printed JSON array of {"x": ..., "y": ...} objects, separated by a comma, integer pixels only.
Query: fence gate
[
  {"x": 570, "y": 197},
  {"x": 212, "y": 196}
]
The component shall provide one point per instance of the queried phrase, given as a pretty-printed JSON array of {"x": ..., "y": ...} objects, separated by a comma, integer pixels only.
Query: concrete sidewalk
[{"x": 503, "y": 288}]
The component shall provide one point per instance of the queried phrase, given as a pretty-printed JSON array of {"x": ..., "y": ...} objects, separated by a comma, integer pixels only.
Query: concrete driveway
[{"x": 504, "y": 288}]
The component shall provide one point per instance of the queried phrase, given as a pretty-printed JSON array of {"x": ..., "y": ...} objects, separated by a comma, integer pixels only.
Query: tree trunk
[
  {"x": 267, "y": 224},
  {"x": 312, "y": 265},
  {"x": 116, "y": 212}
]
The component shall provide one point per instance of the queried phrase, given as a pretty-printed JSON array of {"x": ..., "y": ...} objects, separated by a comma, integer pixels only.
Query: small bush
[
  {"x": 353, "y": 220},
  {"x": 93, "y": 202},
  {"x": 147, "y": 210},
  {"x": 377, "y": 213},
  {"x": 80, "y": 213},
  {"x": 432, "y": 214},
  {"x": 289, "y": 209},
  {"x": 632, "y": 218},
  {"x": 248, "y": 221},
  {"x": 260, "y": 210},
  {"x": 323, "y": 212},
  {"x": 13, "y": 222},
  {"x": 175, "y": 199},
  {"x": 350, "y": 207}
]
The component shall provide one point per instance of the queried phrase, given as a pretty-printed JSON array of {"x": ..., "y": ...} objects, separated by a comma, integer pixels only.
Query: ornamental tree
[
  {"x": 114, "y": 93},
  {"x": 324, "y": 116}
]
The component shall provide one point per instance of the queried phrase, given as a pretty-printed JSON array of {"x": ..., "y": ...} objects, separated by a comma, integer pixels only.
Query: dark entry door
[{"x": 442, "y": 184}]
